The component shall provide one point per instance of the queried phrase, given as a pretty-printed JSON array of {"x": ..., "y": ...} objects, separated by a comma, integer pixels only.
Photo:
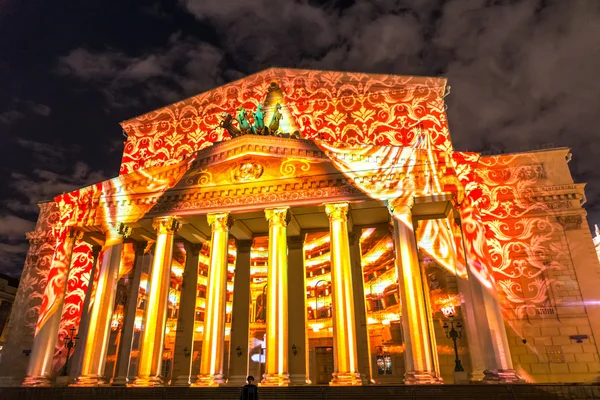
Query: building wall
[
  {"x": 545, "y": 265},
  {"x": 8, "y": 291}
]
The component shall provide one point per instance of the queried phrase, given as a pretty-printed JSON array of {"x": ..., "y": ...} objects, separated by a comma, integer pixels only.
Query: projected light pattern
[{"x": 387, "y": 135}]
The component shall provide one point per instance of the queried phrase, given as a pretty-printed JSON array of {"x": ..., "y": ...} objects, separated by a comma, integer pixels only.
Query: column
[
  {"x": 213, "y": 345},
  {"x": 276, "y": 368},
  {"x": 419, "y": 353},
  {"x": 344, "y": 327},
  {"x": 363, "y": 350},
  {"x": 155, "y": 314},
  {"x": 298, "y": 351},
  {"x": 39, "y": 371},
  {"x": 84, "y": 323},
  {"x": 184, "y": 337},
  {"x": 491, "y": 331},
  {"x": 96, "y": 343},
  {"x": 467, "y": 306},
  {"x": 238, "y": 367},
  {"x": 127, "y": 332}
]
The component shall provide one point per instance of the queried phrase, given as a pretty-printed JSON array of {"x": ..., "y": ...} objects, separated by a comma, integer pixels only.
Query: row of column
[{"x": 420, "y": 347}]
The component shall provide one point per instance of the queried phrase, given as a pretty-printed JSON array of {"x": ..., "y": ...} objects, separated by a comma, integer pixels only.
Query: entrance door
[{"x": 324, "y": 363}]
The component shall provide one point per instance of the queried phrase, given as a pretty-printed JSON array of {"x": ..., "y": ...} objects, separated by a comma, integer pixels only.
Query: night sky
[{"x": 523, "y": 74}]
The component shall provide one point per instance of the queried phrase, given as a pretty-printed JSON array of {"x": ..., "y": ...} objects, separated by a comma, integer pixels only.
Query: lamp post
[
  {"x": 70, "y": 343},
  {"x": 454, "y": 332},
  {"x": 317, "y": 297}
]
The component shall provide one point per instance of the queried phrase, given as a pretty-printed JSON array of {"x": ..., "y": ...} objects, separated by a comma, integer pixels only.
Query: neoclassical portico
[{"x": 224, "y": 207}]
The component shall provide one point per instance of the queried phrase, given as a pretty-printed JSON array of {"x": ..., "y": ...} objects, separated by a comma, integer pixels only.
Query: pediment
[
  {"x": 256, "y": 160},
  {"x": 250, "y": 172}
]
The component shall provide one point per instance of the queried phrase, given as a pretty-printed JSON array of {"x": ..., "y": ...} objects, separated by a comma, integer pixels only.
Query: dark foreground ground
[{"x": 445, "y": 392}]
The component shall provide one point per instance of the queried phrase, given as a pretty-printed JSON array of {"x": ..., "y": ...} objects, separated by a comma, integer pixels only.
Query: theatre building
[{"x": 310, "y": 228}]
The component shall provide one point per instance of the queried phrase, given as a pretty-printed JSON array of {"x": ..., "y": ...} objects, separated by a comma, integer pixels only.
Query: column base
[
  {"x": 38, "y": 381},
  {"x": 236, "y": 380},
  {"x": 147, "y": 381},
  {"x": 502, "y": 376},
  {"x": 181, "y": 380},
  {"x": 422, "y": 378},
  {"x": 209, "y": 381},
  {"x": 298, "y": 379},
  {"x": 476, "y": 377},
  {"x": 346, "y": 379},
  {"x": 275, "y": 380},
  {"x": 89, "y": 380},
  {"x": 119, "y": 381}
]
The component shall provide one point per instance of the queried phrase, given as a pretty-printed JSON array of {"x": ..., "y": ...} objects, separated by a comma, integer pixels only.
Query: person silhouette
[{"x": 249, "y": 391}]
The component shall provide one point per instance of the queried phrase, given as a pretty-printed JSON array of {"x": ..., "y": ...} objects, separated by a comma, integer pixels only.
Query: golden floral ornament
[
  {"x": 166, "y": 225},
  {"x": 219, "y": 222},
  {"x": 278, "y": 216},
  {"x": 247, "y": 172},
  {"x": 337, "y": 211}
]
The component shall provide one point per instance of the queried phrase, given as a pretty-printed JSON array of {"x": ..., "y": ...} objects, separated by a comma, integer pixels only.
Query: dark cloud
[
  {"x": 9, "y": 117},
  {"x": 523, "y": 73},
  {"x": 183, "y": 67},
  {"x": 19, "y": 210}
]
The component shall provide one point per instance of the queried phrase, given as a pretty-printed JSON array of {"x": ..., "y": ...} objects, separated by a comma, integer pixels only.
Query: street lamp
[
  {"x": 70, "y": 343},
  {"x": 454, "y": 332}
]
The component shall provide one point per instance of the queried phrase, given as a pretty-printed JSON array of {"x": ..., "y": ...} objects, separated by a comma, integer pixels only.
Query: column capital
[
  {"x": 116, "y": 233},
  {"x": 219, "y": 222},
  {"x": 295, "y": 242},
  {"x": 400, "y": 206},
  {"x": 278, "y": 216},
  {"x": 337, "y": 211},
  {"x": 243, "y": 245},
  {"x": 192, "y": 248},
  {"x": 140, "y": 248},
  {"x": 166, "y": 224}
]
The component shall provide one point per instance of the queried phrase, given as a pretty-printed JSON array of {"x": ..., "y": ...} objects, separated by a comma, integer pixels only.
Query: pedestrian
[{"x": 249, "y": 391}]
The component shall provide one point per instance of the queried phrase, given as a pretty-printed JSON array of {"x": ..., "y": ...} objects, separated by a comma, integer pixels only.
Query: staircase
[{"x": 400, "y": 392}]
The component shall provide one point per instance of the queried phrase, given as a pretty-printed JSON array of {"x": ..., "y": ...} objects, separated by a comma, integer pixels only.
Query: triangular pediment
[{"x": 250, "y": 171}]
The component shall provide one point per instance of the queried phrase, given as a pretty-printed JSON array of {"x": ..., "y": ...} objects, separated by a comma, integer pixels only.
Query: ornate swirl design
[
  {"x": 288, "y": 167},
  {"x": 199, "y": 178}
]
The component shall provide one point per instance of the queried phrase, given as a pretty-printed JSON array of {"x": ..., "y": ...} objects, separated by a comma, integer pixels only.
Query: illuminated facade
[{"x": 310, "y": 227}]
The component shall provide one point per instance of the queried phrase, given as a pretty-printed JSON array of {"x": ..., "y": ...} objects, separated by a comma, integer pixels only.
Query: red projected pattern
[
  {"x": 336, "y": 106},
  {"x": 520, "y": 231},
  {"x": 79, "y": 280},
  {"x": 392, "y": 127}
]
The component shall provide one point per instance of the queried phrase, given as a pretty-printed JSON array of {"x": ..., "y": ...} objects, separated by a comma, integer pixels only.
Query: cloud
[
  {"x": 182, "y": 68},
  {"x": 13, "y": 227},
  {"x": 21, "y": 108},
  {"x": 28, "y": 189},
  {"x": 40, "y": 109},
  {"x": 11, "y": 258},
  {"x": 522, "y": 73},
  {"x": 9, "y": 117},
  {"x": 42, "y": 185},
  {"x": 13, "y": 247}
]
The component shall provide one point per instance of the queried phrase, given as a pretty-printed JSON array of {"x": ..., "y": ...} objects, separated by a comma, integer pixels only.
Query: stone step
[{"x": 400, "y": 392}]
